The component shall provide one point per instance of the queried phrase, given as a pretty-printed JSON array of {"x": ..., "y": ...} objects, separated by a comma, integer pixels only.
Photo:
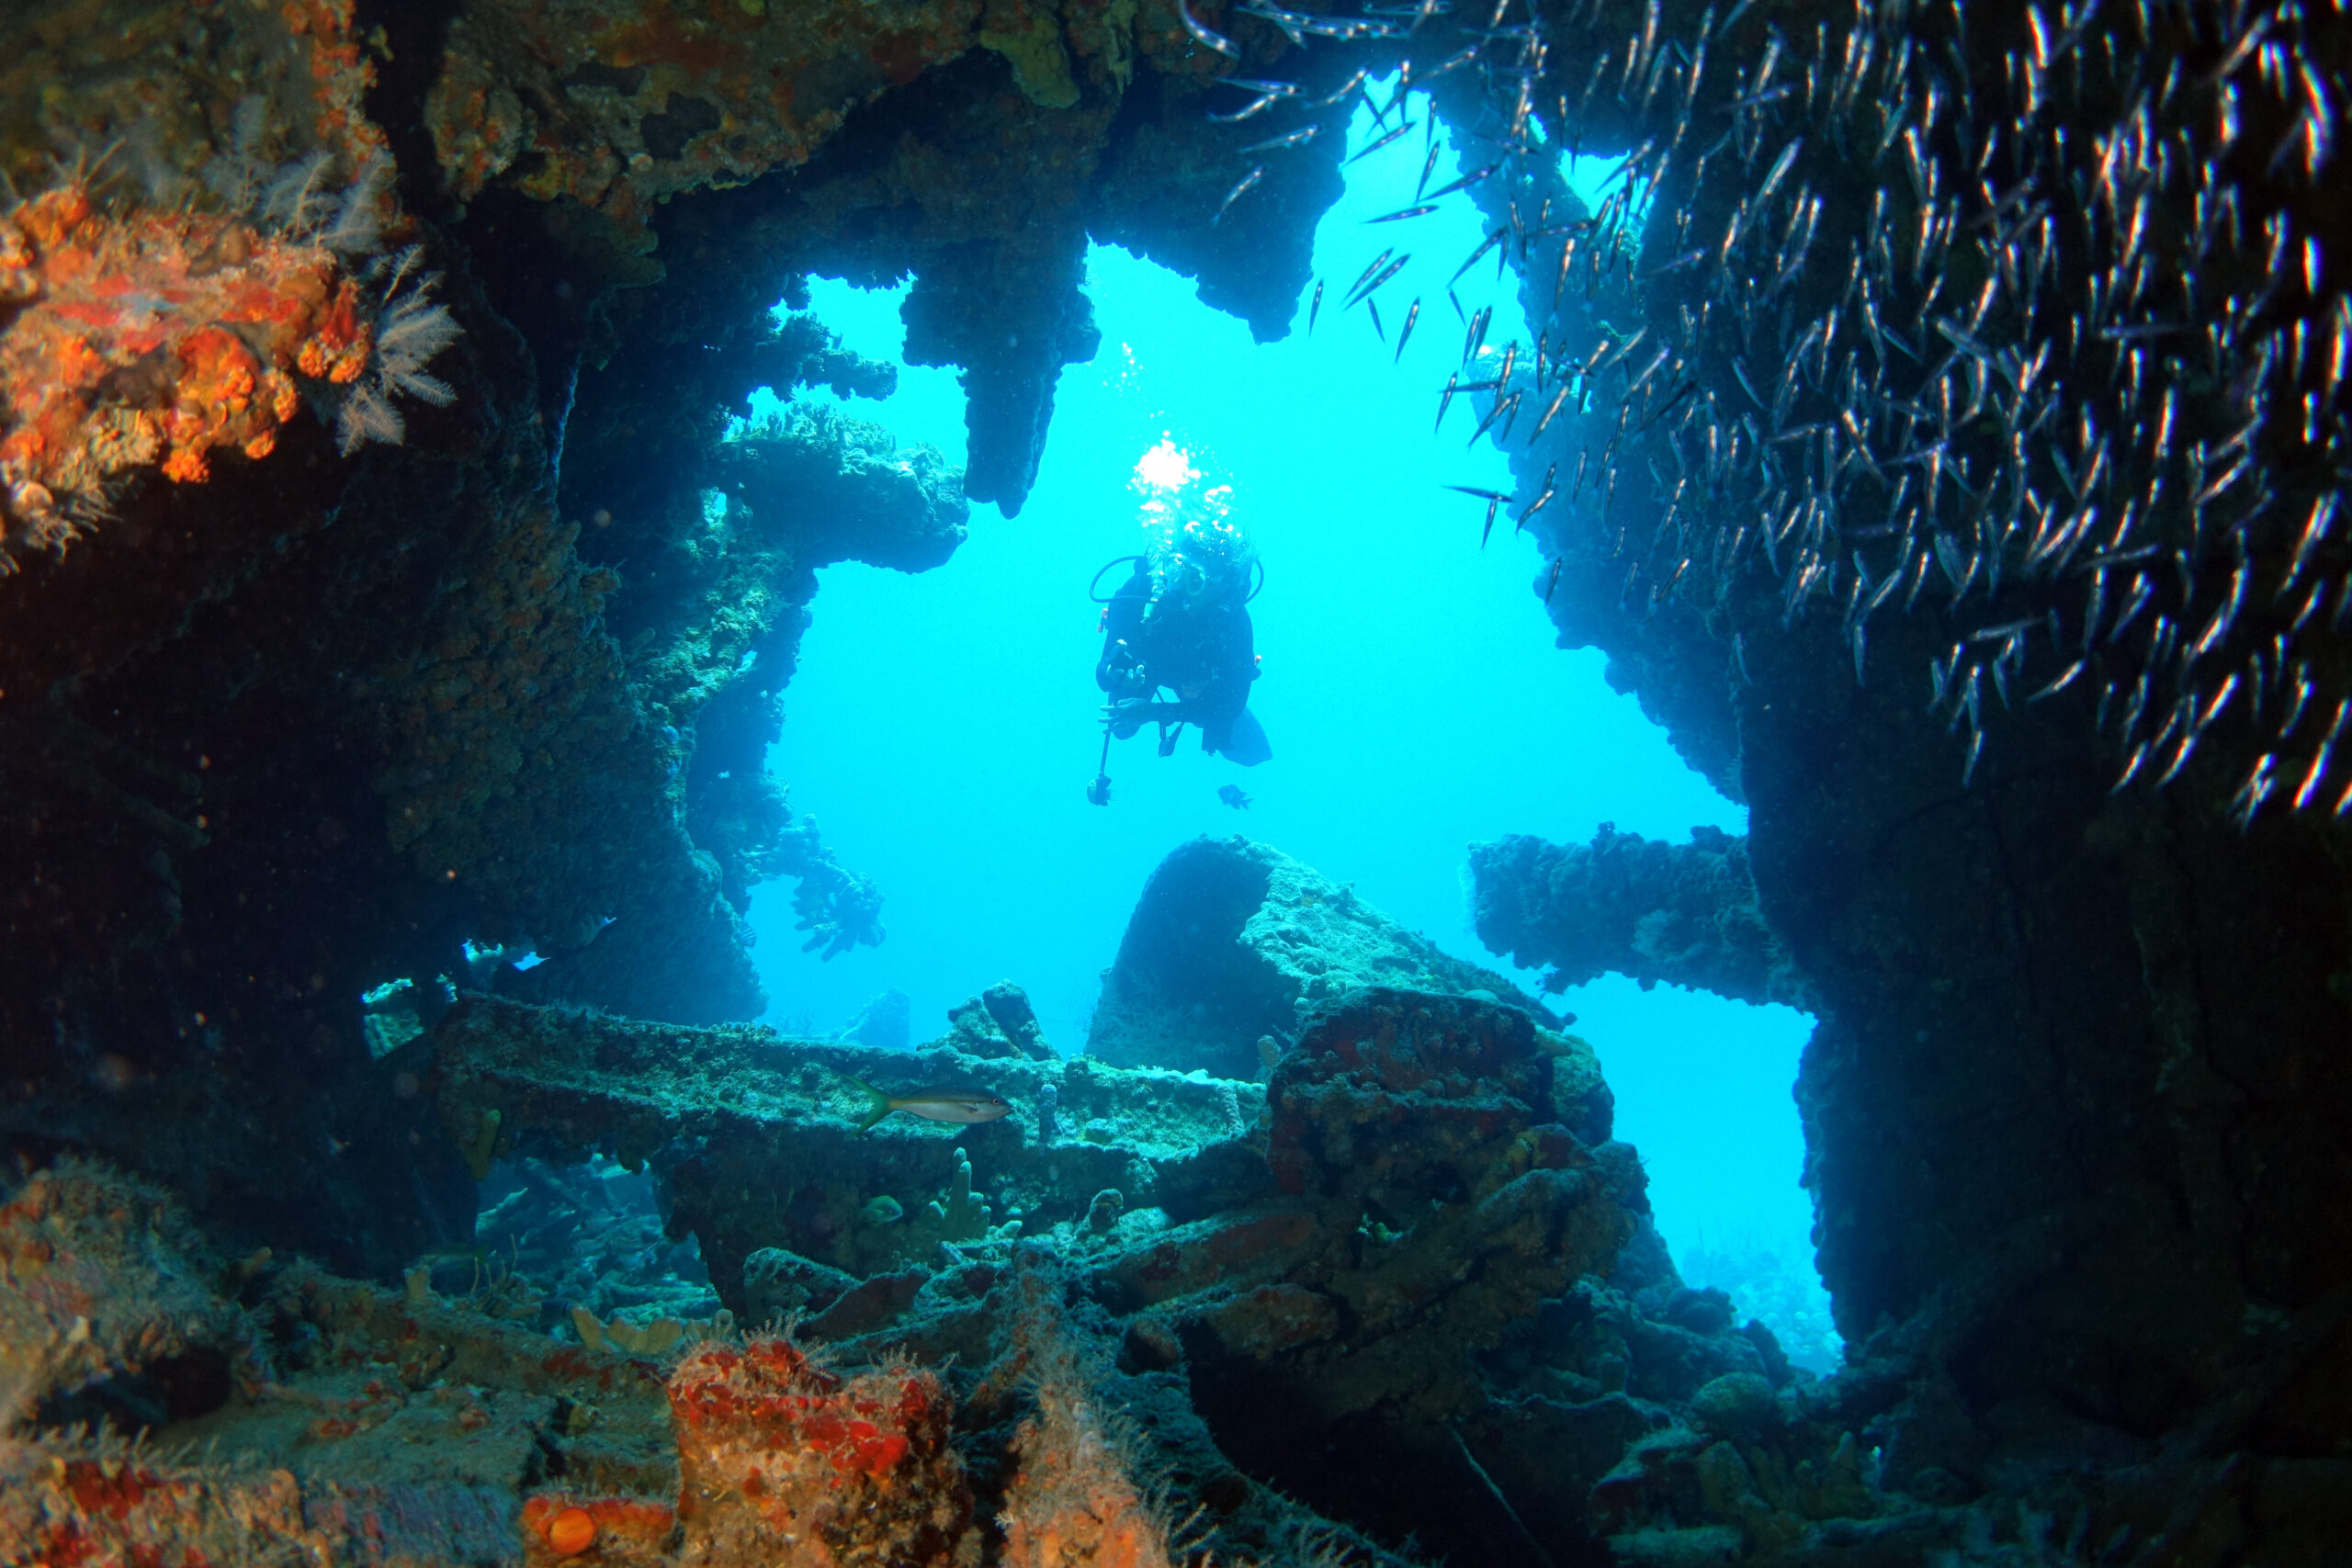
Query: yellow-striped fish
[{"x": 940, "y": 1103}]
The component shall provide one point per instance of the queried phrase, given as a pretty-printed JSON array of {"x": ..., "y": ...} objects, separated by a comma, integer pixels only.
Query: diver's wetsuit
[{"x": 1199, "y": 648}]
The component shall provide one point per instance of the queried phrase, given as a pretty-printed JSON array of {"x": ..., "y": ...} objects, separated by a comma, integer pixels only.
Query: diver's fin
[{"x": 878, "y": 1108}]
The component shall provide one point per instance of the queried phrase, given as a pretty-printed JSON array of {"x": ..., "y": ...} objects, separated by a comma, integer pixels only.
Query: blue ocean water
[{"x": 942, "y": 728}]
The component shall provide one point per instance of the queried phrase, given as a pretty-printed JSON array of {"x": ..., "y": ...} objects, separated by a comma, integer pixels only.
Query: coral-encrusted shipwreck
[
  {"x": 1427, "y": 1172},
  {"x": 1418, "y": 1251},
  {"x": 2004, "y": 345}
]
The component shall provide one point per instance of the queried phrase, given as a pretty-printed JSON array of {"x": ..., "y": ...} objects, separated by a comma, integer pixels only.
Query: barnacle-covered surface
[
  {"x": 425, "y": 700},
  {"x": 128, "y": 1315},
  {"x": 1433, "y": 1276},
  {"x": 174, "y": 256}
]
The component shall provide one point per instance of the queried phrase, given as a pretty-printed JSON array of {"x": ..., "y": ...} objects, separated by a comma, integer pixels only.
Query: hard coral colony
[{"x": 131, "y": 339}]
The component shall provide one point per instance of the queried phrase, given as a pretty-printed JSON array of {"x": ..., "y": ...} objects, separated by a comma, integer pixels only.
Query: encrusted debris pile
[
  {"x": 756, "y": 1141},
  {"x": 1443, "y": 1269},
  {"x": 369, "y": 1426},
  {"x": 1418, "y": 1246}
]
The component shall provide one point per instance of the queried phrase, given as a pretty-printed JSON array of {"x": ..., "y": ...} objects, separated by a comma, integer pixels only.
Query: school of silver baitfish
[{"x": 2029, "y": 318}]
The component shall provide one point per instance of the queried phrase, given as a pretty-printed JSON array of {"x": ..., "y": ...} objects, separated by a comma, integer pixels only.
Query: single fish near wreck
[
  {"x": 1276, "y": 144},
  {"x": 1494, "y": 499},
  {"x": 1378, "y": 142},
  {"x": 1209, "y": 37},
  {"x": 960, "y": 1103},
  {"x": 1251, "y": 178},
  {"x": 1232, "y": 795}
]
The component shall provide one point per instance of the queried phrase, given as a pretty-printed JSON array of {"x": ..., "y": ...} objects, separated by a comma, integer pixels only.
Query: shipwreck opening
[{"x": 940, "y": 726}]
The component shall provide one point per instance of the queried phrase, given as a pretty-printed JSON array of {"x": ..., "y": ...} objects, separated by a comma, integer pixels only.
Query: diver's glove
[{"x": 1126, "y": 717}]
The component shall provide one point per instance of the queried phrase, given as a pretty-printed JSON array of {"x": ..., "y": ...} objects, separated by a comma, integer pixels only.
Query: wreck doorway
[{"x": 941, "y": 727}]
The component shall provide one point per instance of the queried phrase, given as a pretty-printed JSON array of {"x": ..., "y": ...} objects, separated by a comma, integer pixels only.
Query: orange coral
[
  {"x": 791, "y": 1463},
  {"x": 571, "y": 1532},
  {"x": 153, "y": 339},
  {"x": 620, "y": 1530},
  {"x": 782, "y": 1462},
  {"x": 1075, "y": 1502},
  {"x": 340, "y": 75}
]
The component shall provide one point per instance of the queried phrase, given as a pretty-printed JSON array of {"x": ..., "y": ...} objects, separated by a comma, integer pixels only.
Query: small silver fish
[
  {"x": 1377, "y": 262},
  {"x": 1345, "y": 90},
  {"x": 1378, "y": 142},
  {"x": 1278, "y": 143},
  {"x": 1489, "y": 243},
  {"x": 1391, "y": 270},
  {"x": 1256, "y": 105},
  {"x": 1542, "y": 500},
  {"x": 1454, "y": 62},
  {"x": 1557, "y": 398},
  {"x": 1465, "y": 182},
  {"x": 1475, "y": 336},
  {"x": 1251, "y": 178},
  {"x": 1292, "y": 23},
  {"x": 1214, "y": 40},
  {"x": 1494, "y": 499}
]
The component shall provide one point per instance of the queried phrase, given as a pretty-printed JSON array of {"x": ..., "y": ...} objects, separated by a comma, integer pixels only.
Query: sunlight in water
[{"x": 1166, "y": 467}]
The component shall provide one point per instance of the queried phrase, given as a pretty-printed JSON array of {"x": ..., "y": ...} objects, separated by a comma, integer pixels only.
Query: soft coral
[{"x": 138, "y": 339}]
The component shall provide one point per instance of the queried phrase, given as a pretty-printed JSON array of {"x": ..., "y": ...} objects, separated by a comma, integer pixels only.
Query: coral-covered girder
[{"x": 1684, "y": 914}]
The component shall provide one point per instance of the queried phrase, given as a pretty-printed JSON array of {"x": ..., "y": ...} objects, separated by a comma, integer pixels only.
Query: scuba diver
[{"x": 1176, "y": 646}]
